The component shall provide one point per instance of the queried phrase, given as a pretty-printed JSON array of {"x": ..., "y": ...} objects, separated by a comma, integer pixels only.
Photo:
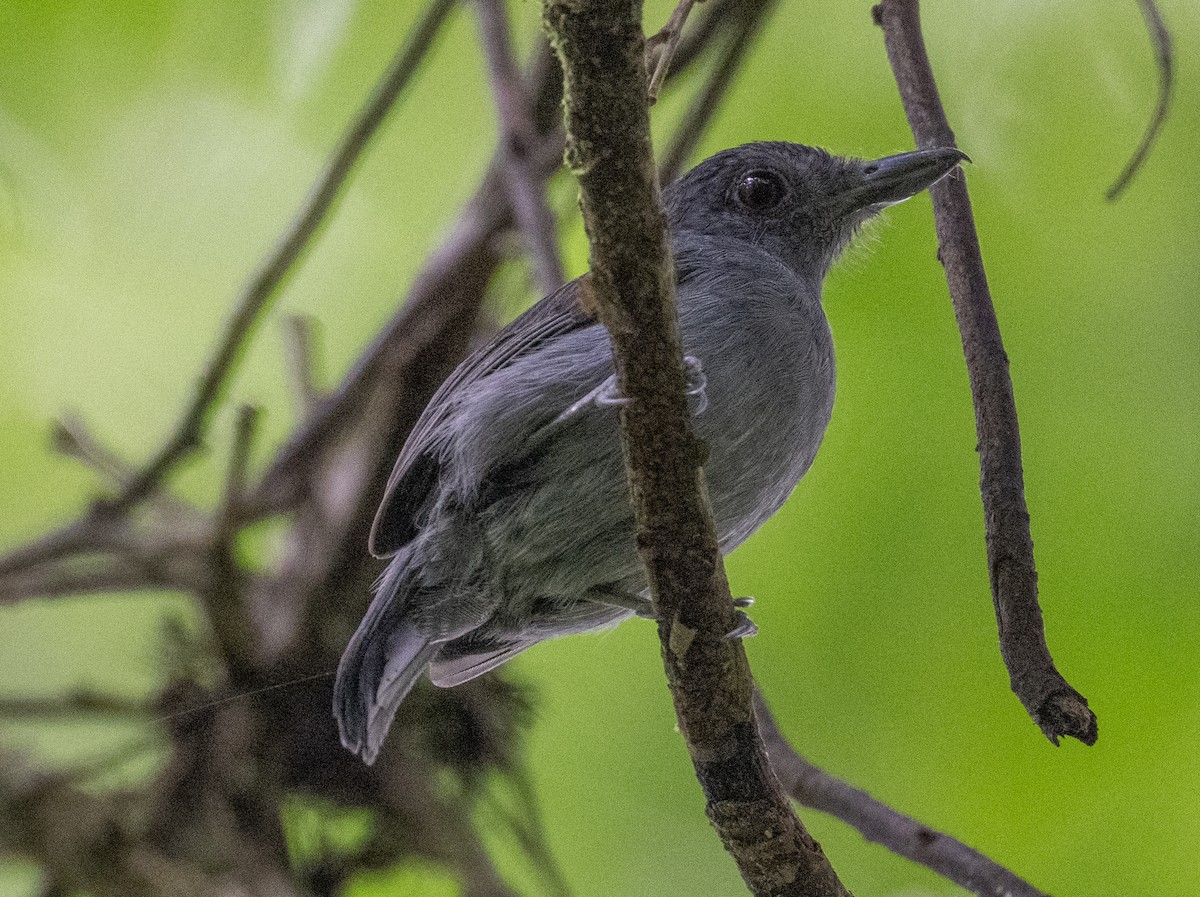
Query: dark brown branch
[
  {"x": 57, "y": 580},
  {"x": 224, "y": 590},
  {"x": 1160, "y": 38},
  {"x": 90, "y": 532},
  {"x": 631, "y": 286},
  {"x": 811, "y": 786},
  {"x": 1054, "y": 705},
  {"x": 519, "y": 141},
  {"x": 748, "y": 18},
  {"x": 257, "y": 293}
]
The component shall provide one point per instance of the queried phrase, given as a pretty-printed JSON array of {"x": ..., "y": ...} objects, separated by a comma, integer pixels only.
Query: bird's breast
[{"x": 770, "y": 385}]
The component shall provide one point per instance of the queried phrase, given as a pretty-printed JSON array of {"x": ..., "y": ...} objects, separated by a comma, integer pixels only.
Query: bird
[{"x": 507, "y": 518}]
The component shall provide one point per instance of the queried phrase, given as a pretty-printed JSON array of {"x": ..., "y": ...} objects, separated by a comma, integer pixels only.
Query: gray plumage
[{"x": 507, "y": 517}]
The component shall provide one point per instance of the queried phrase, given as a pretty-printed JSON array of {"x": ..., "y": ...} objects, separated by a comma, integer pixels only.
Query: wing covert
[{"x": 417, "y": 469}]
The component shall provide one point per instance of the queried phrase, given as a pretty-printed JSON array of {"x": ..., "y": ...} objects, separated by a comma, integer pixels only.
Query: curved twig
[
  {"x": 1054, "y": 705},
  {"x": 813, "y": 787},
  {"x": 1160, "y": 38}
]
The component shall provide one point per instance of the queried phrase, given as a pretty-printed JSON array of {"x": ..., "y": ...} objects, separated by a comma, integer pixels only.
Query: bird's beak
[{"x": 894, "y": 179}]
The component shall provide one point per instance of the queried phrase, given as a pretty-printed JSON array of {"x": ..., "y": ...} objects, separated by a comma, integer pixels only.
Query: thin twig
[
  {"x": 519, "y": 141},
  {"x": 631, "y": 286},
  {"x": 300, "y": 347},
  {"x": 70, "y": 706},
  {"x": 92, "y": 531},
  {"x": 904, "y": 836},
  {"x": 1054, "y": 705},
  {"x": 257, "y": 293},
  {"x": 661, "y": 46},
  {"x": 235, "y": 474},
  {"x": 225, "y": 592},
  {"x": 1160, "y": 38},
  {"x": 485, "y": 216},
  {"x": 113, "y": 573},
  {"x": 71, "y": 437},
  {"x": 750, "y": 16}
]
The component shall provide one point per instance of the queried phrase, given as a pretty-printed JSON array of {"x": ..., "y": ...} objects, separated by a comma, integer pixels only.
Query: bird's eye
[{"x": 760, "y": 191}]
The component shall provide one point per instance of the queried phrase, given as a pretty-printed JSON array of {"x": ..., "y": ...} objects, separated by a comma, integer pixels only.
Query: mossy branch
[{"x": 631, "y": 289}]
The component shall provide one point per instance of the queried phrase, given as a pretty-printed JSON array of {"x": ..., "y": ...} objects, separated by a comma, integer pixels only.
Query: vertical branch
[
  {"x": 519, "y": 141},
  {"x": 1054, "y": 705},
  {"x": 631, "y": 286}
]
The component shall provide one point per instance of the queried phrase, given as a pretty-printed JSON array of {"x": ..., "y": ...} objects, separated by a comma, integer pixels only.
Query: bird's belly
[{"x": 763, "y": 427}]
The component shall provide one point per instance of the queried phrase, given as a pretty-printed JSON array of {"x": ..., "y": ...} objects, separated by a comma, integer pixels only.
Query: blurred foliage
[{"x": 150, "y": 151}]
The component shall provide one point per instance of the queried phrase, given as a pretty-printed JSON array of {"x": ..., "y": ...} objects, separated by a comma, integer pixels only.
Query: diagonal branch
[
  {"x": 904, "y": 836},
  {"x": 1054, "y": 705},
  {"x": 631, "y": 285},
  {"x": 662, "y": 45},
  {"x": 749, "y": 17},
  {"x": 519, "y": 142},
  {"x": 1160, "y": 38},
  {"x": 256, "y": 295},
  {"x": 484, "y": 217}
]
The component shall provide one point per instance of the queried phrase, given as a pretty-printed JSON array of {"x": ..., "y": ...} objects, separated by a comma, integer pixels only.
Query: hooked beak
[{"x": 894, "y": 179}]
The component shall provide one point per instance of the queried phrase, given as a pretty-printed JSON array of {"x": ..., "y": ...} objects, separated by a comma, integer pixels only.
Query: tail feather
[{"x": 380, "y": 666}]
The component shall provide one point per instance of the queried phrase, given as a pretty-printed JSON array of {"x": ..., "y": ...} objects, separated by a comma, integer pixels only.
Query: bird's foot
[
  {"x": 607, "y": 395},
  {"x": 745, "y": 601},
  {"x": 744, "y": 627},
  {"x": 697, "y": 383}
]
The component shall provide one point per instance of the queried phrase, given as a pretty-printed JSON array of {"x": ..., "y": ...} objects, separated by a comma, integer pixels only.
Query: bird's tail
[{"x": 380, "y": 666}]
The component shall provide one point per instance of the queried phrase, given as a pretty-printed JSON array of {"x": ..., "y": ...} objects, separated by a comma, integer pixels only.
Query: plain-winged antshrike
[{"x": 508, "y": 517}]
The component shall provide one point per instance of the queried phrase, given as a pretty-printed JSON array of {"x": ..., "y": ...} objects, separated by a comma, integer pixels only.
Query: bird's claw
[
  {"x": 744, "y": 627},
  {"x": 745, "y": 601},
  {"x": 607, "y": 396},
  {"x": 697, "y": 383}
]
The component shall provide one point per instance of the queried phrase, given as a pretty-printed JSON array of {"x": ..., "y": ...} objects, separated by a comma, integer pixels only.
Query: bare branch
[
  {"x": 631, "y": 286},
  {"x": 225, "y": 591},
  {"x": 519, "y": 142},
  {"x": 484, "y": 217},
  {"x": 749, "y": 18},
  {"x": 72, "y": 438},
  {"x": 904, "y": 836},
  {"x": 661, "y": 46},
  {"x": 1160, "y": 38},
  {"x": 235, "y": 474},
  {"x": 80, "y": 703},
  {"x": 301, "y": 355},
  {"x": 257, "y": 293},
  {"x": 59, "y": 579},
  {"x": 1054, "y": 705},
  {"x": 90, "y": 532}
]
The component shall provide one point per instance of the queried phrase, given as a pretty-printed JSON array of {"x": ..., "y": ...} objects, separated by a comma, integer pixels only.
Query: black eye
[{"x": 760, "y": 191}]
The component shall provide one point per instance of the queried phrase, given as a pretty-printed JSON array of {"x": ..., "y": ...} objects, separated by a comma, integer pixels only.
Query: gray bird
[{"x": 507, "y": 517}]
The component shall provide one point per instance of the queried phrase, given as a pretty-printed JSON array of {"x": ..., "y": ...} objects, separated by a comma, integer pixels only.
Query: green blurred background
[{"x": 150, "y": 151}]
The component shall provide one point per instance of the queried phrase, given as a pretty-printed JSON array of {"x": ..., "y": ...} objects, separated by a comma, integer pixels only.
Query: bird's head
[{"x": 803, "y": 205}]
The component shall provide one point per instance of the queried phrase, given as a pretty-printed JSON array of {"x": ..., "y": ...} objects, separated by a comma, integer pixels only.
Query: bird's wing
[{"x": 417, "y": 468}]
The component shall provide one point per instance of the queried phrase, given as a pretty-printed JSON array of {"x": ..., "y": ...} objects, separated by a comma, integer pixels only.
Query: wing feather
[{"x": 418, "y": 467}]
